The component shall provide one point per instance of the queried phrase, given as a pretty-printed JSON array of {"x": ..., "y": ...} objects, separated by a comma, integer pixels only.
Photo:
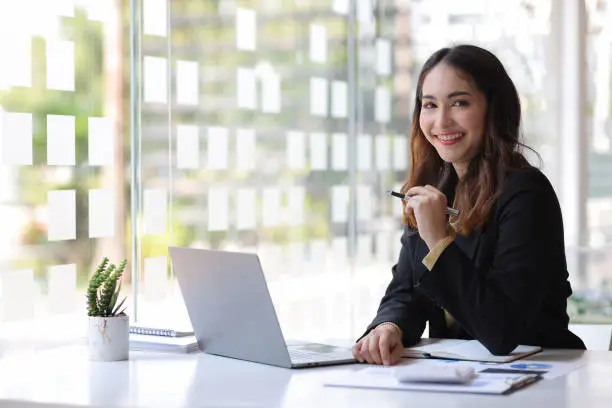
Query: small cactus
[{"x": 103, "y": 290}]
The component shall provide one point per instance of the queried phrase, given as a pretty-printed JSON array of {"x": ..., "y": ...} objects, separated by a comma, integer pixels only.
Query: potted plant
[{"x": 108, "y": 334}]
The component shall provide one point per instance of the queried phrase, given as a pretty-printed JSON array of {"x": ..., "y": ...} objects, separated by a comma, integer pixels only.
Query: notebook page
[{"x": 474, "y": 350}]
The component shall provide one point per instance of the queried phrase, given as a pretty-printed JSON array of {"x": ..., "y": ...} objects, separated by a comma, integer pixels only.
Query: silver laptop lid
[{"x": 229, "y": 305}]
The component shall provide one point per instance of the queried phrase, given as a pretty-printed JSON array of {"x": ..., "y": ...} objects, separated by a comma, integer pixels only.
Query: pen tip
[{"x": 388, "y": 192}]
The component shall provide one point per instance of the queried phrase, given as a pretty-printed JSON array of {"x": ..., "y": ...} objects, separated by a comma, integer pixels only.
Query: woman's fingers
[
  {"x": 427, "y": 191},
  {"x": 357, "y": 351},
  {"x": 374, "y": 349},
  {"x": 365, "y": 350}
]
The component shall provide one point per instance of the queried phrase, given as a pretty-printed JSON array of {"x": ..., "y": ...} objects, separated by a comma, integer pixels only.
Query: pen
[
  {"x": 520, "y": 382},
  {"x": 449, "y": 210}
]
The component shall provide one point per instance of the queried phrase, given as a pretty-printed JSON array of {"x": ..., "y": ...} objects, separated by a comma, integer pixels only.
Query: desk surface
[{"x": 65, "y": 377}]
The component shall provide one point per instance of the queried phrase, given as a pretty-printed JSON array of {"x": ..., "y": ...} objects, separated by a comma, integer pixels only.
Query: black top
[{"x": 505, "y": 284}]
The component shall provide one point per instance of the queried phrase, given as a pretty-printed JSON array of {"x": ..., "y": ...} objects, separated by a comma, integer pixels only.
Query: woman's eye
[
  {"x": 460, "y": 103},
  {"x": 428, "y": 105}
]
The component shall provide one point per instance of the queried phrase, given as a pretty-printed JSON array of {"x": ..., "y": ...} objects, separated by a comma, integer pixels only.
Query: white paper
[
  {"x": 155, "y": 277},
  {"x": 218, "y": 140},
  {"x": 155, "y": 79},
  {"x": 271, "y": 93},
  {"x": 296, "y": 199},
  {"x": 101, "y": 142},
  {"x": 382, "y": 105},
  {"x": 60, "y": 65},
  {"x": 154, "y": 17},
  {"x": 382, "y": 152},
  {"x": 61, "y": 215},
  {"x": 364, "y": 203},
  {"x": 400, "y": 152},
  {"x": 364, "y": 152},
  {"x": 101, "y": 213},
  {"x": 62, "y": 288},
  {"x": 245, "y": 149},
  {"x": 246, "y": 29},
  {"x": 187, "y": 84},
  {"x": 318, "y": 151},
  {"x": 364, "y": 248},
  {"x": 17, "y": 294},
  {"x": 383, "y": 57},
  {"x": 340, "y": 151},
  {"x": 16, "y": 138},
  {"x": 60, "y": 140},
  {"x": 296, "y": 150},
  {"x": 271, "y": 207},
  {"x": 246, "y": 205},
  {"x": 384, "y": 378},
  {"x": 339, "y": 99},
  {"x": 318, "y": 43},
  {"x": 17, "y": 68},
  {"x": 383, "y": 247},
  {"x": 155, "y": 208},
  {"x": 339, "y": 204},
  {"x": 340, "y": 6},
  {"x": 187, "y": 147},
  {"x": 318, "y": 97},
  {"x": 218, "y": 199},
  {"x": 246, "y": 88}
]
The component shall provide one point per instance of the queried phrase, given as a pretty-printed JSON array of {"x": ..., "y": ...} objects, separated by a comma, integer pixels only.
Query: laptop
[{"x": 232, "y": 313}]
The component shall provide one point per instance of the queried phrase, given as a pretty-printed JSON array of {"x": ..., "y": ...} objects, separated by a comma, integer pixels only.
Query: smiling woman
[{"x": 496, "y": 272}]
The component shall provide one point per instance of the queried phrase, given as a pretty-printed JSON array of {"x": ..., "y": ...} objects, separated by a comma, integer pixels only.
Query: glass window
[
  {"x": 64, "y": 201},
  {"x": 593, "y": 299}
]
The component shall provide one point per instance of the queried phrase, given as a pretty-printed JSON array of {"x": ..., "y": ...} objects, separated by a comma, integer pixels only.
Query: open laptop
[{"x": 232, "y": 313}]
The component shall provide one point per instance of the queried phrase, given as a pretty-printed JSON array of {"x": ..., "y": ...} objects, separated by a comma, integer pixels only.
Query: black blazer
[{"x": 505, "y": 284}]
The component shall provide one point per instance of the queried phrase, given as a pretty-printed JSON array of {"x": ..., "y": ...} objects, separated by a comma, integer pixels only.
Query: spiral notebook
[{"x": 156, "y": 331}]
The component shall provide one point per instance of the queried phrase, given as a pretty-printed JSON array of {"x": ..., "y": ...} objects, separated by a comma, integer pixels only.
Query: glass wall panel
[
  {"x": 594, "y": 297},
  {"x": 64, "y": 202}
]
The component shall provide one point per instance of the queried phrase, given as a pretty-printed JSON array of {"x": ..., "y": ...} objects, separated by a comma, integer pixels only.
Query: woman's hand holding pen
[{"x": 429, "y": 207}]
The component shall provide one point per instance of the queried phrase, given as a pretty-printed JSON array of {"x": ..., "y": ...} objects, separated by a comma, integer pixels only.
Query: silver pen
[{"x": 449, "y": 210}]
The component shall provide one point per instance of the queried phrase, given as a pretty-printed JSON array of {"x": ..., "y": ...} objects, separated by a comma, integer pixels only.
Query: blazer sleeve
[
  {"x": 402, "y": 304},
  {"x": 496, "y": 302}
]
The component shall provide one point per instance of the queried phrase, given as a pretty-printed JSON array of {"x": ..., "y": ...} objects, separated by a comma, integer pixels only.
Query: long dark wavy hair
[{"x": 501, "y": 151}]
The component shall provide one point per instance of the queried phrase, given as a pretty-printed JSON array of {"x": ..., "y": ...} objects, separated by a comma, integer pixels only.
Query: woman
[{"x": 497, "y": 271}]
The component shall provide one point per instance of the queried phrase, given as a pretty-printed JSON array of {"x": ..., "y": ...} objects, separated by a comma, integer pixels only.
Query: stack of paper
[{"x": 185, "y": 344}]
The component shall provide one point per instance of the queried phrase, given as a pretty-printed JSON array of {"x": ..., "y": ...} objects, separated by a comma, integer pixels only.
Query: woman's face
[{"x": 452, "y": 116}]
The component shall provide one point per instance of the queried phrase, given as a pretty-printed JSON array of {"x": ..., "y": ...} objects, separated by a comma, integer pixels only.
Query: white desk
[{"x": 64, "y": 376}]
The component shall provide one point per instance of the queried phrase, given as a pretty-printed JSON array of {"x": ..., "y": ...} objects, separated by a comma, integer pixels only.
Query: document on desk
[
  {"x": 384, "y": 378},
  {"x": 468, "y": 350}
]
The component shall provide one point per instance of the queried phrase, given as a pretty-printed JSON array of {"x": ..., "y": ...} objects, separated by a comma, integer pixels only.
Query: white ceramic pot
[{"x": 109, "y": 338}]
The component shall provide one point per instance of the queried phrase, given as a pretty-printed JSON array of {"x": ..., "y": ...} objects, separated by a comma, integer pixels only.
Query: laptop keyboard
[{"x": 300, "y": 355}]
